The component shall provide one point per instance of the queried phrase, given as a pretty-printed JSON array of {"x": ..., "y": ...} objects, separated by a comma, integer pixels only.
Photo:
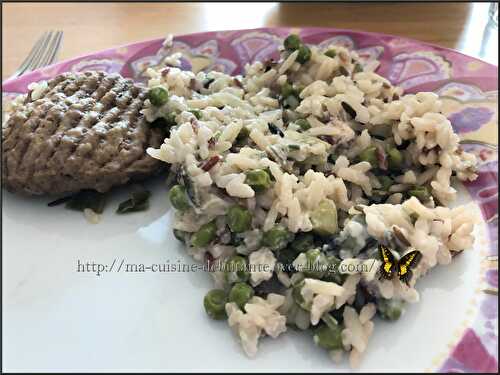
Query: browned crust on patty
[{"x": 86, "y": 132}]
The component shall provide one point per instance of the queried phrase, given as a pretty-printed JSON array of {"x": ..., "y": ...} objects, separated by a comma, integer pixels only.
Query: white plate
[{"x": 56, "y": 318}]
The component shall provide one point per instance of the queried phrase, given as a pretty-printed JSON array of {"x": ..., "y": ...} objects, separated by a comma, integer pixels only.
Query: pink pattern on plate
[
  {"x": 470, "y": 355},
  {"x": 256, "y": 46},
  {"x": 416, "y": 68}
]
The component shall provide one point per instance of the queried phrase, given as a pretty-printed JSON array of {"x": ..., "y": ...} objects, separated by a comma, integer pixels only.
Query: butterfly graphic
[{"x": 402, "y": 267}]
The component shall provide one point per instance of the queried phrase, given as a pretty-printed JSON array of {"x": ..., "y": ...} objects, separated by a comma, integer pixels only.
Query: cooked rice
[{"x": 348, "y": 112}]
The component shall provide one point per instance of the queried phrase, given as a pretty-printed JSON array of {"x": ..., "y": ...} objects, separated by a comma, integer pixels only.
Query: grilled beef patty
[{"x": 85, "y": 132}]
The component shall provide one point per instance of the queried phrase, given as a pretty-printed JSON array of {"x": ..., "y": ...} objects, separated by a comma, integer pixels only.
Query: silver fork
[{"x": 43, "y": 53}]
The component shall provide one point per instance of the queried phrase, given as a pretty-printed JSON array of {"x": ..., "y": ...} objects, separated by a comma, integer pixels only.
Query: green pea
[
  {"x": 304, "y": 54},
  {"x": 331, "y": 53},
  {"x": 180, "y": 235},
  {"x": 303, "y": 124},
  {"x": 386, "y": 182},
  {"x": 158, "y": 96},
  {"x": 390, "y": 309},
  {"x": 286, "y": 90},
  {"x": 196, "y": 113},
  {"x": 324, "y": 218},
  {"x": 276, "y": 238},
  {"x": 215, "y": 304},
  {"x": 395, "y": 158},
  {"x": 420, "y": 192},
  {"x": 204, "y": 235},
  {"x": 316, "y": 264},
  {"x": 369, "y": 154},
  {"x": 240, "y": 294},
  {"x": 179, "y": 198},
  {"x": 292, "y": 42},
  {"x": 239, "y": 219},
  {"x": 329, "y": 338},
  {"x": 235, "y": 269},
  {"x": 258, "y": 179}
]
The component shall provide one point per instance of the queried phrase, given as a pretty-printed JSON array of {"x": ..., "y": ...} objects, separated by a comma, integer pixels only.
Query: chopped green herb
[
  {"x": 160, "y": 123},
  {"x": 243, "y": 134},
  {"x": 332, "y": 158},
  {"x": 60, "y": 201},
  {"x": 386, "y": 182},
  {"x": 164, "y": 122},
  {"x": 420, "y": 192},
  {"x": 299, "y": 298},
  {"x": 180, "y": 235},
  {"x": 87, "y": 199},
  {"x": 303, "y": 123},
  {"x": 286, "y": 90},
  {"x": 349, "y": 109},
  {"x": 395, "y": 158},
  {"x": 291, "y": 102},
  {"x": 171, "y": 119},
  {"x": 316, "y": 264},
  {"x": 303, "y": 242},
  {"x": 196, "y": 113},
  {"x": 331, "y": 53},
  {"x": 138, "y": 201},
  {"x": 413, "y": 217},
  {"x": 207, "y": 82},
  {"x": 343, "y": 71},
  {"x": 358, "y": 68},
  {"x": 369, "y": 154},
  {"x": 275, "y": 130}
]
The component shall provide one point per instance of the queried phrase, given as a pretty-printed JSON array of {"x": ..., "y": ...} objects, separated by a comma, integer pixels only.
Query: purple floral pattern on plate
[
  {"x": 414, "y": 65},
  {"x": 470, "y": 119}
]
